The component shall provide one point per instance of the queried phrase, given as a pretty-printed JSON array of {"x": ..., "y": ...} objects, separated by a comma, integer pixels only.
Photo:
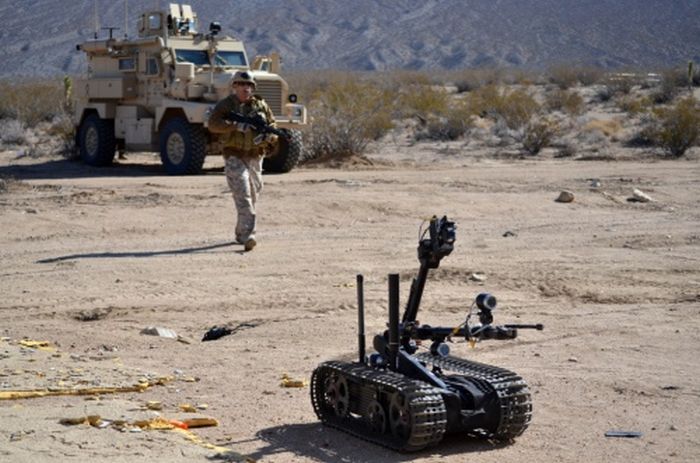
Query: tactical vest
[{"x": 243, "y": 142}]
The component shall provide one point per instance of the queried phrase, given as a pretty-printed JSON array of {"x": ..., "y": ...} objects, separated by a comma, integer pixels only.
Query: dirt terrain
[{"x": 91, "y": 257}]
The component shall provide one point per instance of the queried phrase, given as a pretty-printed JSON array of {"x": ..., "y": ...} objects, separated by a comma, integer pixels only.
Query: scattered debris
[
  {"x": 289, "y": 382},
  {"x": 595, "y": 183},
  {"x": 40, "y": 345},
  {"x": 477, "y": 277},
  {"x": 670, "y": 388},
  {"x": 187, "y": 408},
  {"x": 200, "y": 422},
  {"x": 216, "y": 332},
  {"x": 615, "y": 433},
  {"x": 565, "y": 197},
  {"x": 159, "y": 331},
  {"x": 154, "y": 405},
  {"x": 509, "y": 233},
  {"x": 638, "y": 196},
  {"x": 573, "y": 360},
  {"x": 164, "y": 333}
]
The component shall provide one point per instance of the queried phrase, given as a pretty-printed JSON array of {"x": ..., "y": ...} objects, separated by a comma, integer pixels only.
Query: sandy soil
[{"x": 90, "y": 257}]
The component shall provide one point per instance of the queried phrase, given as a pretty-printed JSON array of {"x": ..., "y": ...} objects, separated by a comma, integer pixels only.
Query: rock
[
  {"x": 565, "y": 197},
  {"x": 573, "y": 360},
  {"x": 595, "y": 183},
  {"x": 509, "y": 233},
  {"x": 477, "y": 277},
  {"x": 639, "y": 196}
]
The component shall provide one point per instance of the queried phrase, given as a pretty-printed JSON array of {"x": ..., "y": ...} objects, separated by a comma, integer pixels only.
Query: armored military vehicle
[{"x": 155, "y": 92}]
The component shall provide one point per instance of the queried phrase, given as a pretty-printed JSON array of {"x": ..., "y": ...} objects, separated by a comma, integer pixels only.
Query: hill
[{"x": 39, "y": 37}]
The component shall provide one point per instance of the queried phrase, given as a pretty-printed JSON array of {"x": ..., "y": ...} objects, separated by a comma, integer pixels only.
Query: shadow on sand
[
  {"x": 137, "y": 254},
  {"x": 65, "y": 169},
  {"x": 323, "y": 444}
]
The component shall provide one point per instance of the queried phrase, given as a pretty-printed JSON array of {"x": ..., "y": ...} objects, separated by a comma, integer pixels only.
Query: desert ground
[{"x": 91, "y": 257}]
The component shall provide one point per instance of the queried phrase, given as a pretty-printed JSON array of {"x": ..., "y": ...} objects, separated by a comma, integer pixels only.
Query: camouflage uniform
[{"x": 243, "y": 158}]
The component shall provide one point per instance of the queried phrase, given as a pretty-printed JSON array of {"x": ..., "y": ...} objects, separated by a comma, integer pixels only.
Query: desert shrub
[
  {"x": 566, "y": 77},
  {"x": 516, "y": 108},
  {"x": 468, "y": 80},
  {"x": 619, "y": 84},
  {"x": 450, "y": 125},
  {"x": 568, "y": 101},
  {"x": 538, "y": 134},
  {"x": 679, "y": 127},
  {"x": 12, "y": 132},
  {"x": 348, "y": 114},
  {"x": 31, "y": 102},
  {"x": 609, "y": 128},
  {"x": 632, "y": 105},
  {"x": 63, "y": 128},
  {"x": 422, "y": 101},
  {"x": 563, "y": 76}
]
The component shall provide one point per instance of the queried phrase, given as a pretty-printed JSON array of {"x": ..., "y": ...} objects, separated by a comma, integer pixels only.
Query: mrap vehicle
[{"x": 155, "y": 92}]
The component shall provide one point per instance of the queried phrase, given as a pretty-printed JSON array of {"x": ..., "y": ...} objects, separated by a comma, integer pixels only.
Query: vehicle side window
[
  {"x": 154, "y": 22},
  {"x": 152, "y": 67},
  {"x": 127, "y": 64}
]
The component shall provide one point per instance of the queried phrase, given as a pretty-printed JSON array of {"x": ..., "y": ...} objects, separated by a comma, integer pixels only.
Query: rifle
[{"x": 258, "y": 123}]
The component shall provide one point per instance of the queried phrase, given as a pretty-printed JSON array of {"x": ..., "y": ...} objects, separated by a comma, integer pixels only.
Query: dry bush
[
  {"x": 63, "y": 128},
  {"x": 634, "y": 105},
  {"x": 517, "y": 108},
  {"x": 12, "y": 132},
  {"x": 609, "y": 127},
  {"x": 32, "y": 102},
  {"x": 422, "y": 101},
  {"x": 569, "y": 76},
  {"x": 617, "y": 84},
  {"x": 449, "y": 125},
  {"x": 468, "y": 80},
  {"x": 538, "y": 134},
  {"x": 514, "y": 108},
  {"x": 568, "y": 101},
  {"x": 679, "y": 127},
  {"x": 348, "y": 114}
]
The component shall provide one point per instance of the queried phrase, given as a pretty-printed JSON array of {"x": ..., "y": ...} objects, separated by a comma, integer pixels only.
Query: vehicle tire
[
  {"x": 96, "y": 143},
  {"x": 183, "y": 147},
  {"x": 288, "y": 154}
]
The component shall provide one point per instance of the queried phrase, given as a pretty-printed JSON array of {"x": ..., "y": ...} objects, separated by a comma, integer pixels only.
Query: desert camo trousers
[{"x": 244, "y": 177}]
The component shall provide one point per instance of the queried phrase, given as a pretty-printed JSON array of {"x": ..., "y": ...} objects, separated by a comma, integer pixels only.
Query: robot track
[
  {"x": 515, "y": 404},
  {"x": 379, "y": 406}
]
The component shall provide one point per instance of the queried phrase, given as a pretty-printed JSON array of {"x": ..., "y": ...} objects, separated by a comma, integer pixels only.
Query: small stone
[
  {"x": 595, "y": 183},
  {"x": 477, "y": 277},
  {"x": 673, "y": 427},
  {"x": 565, "y": 197},
  {"x": 640, "y": 197},
  {"x": 573, "y": 360},
  {"x": 509, "y": 233}
]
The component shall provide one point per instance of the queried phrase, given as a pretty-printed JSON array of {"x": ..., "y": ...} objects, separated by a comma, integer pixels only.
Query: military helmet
[{"x": 243, "y": 77}]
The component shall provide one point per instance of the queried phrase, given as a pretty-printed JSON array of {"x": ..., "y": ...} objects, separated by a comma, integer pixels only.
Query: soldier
[{"x": 243, "y": 151}]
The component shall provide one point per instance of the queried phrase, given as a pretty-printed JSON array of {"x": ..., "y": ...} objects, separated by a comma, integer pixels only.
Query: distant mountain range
[{"x": 38, "y": 37}]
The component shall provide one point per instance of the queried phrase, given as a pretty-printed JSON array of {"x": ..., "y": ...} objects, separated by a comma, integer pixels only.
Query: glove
[
  {"x": 268, "y": 138},
  {"x": 242, "y": 127}
]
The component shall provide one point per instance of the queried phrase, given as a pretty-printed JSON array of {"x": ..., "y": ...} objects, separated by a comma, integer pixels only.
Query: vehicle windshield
[
  {"x": 230, "y": 58},
  {"x": 201, "y": 57},
  {"x": 196, "y": 57}
]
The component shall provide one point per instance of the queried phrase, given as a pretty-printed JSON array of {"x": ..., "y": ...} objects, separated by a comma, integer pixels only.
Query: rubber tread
[
  {"x": 427, "y": 408},
  {"x": 513, "y": 393}
]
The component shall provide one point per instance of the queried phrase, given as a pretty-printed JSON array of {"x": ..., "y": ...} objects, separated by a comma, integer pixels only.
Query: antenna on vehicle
[
  {"x": 126, "y": 19},
  {"x": 97, "y": 21}
]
